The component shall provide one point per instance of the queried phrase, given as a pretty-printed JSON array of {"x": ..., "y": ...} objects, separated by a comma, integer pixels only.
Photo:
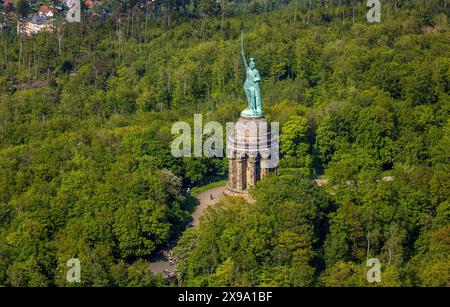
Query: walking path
[{"x": 161, "y": 260}]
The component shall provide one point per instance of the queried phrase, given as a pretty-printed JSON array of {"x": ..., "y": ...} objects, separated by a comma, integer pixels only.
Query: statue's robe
[{"x": 252, "y": 89}]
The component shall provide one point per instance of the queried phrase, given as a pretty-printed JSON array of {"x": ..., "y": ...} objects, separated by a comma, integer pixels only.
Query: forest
[{"x": 86, "y": 169}]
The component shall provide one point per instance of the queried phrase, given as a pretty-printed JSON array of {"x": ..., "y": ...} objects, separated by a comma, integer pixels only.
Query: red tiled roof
[
  {"x": 44, "y": 9},
  {"x": 89, "y": 3}
]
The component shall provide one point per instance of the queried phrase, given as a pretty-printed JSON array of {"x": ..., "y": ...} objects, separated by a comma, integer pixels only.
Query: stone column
[
  {"x": 244, "y": 174},
  {"x": 263, "y": 167},
  {"x": 241, "y": 178},
  {"x": 251, "y": 172},
  {"x": 232, "y": 173}
]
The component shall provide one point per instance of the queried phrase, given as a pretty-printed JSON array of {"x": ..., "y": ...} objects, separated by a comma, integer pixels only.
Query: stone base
[
  {"x": 249, "y": 153},
  {"x": 249, "y": 113},
  {"x": 231, "y": 192}
]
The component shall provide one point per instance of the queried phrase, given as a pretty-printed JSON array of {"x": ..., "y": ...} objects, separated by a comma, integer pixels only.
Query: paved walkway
[
  {"x": 204, "y": 200},
  {"x": 161, "y": 261}
]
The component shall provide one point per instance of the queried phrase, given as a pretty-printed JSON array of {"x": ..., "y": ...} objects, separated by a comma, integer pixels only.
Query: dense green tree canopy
[{"x": 85, "y": 131}]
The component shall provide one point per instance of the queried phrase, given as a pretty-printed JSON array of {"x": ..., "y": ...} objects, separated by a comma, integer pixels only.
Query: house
[
  {"x": 8, "y": 6},
  {"x": 46, "y": 11},
  {"x": 91, "y": 3},
  {"x": 34, "y": 24}
]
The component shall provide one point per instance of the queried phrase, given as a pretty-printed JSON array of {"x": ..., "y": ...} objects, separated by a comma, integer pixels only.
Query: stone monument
[{"x": 250, "y": 148}]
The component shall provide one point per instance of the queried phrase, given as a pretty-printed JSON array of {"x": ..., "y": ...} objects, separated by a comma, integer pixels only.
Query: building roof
[
  {"x": 44, "y": 9},
  {"x": 40, "y": 20},
  {"x": 89, "y": 3}
]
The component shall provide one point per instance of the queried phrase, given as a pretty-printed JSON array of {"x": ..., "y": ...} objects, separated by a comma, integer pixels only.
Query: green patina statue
[{"x": 251, "y": 86}]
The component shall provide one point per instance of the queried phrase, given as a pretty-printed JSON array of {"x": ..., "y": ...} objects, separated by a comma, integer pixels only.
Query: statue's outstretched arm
[{"x": 242, "y": 49}]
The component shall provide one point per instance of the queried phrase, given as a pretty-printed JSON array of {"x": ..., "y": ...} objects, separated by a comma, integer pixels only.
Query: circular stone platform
[{"x": 249, "y": 151}]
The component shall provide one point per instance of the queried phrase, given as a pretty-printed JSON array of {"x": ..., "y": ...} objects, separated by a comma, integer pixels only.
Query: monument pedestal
[{"x": 249, "y": 151}]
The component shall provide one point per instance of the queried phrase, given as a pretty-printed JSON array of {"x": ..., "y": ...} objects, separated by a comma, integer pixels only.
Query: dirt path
[
  {"x": 161, "y": 261},
  {"x": 204, "y": 200}
]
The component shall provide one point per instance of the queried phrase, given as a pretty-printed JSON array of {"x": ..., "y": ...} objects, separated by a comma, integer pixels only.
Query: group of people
[
  {"x": 172, "y": 261},
  {"x": 168, "y": 274}
]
